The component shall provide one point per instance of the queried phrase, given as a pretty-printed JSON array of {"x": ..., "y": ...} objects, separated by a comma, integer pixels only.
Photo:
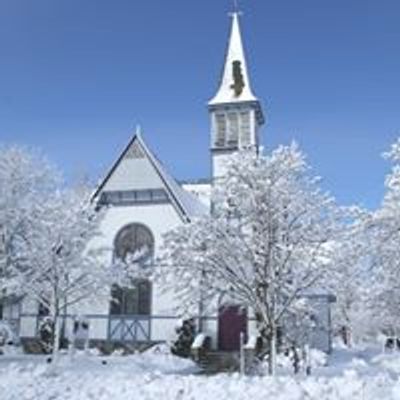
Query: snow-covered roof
[
  {"x": 187, "y": 204},
  {"x": 235, "y": 53},
  {"x": 202, "y": 191}
]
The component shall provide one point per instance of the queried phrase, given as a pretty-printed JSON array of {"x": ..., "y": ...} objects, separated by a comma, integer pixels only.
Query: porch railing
[
  {"x": 129, "y": 328},
  {"x": 115, "y": 328}
]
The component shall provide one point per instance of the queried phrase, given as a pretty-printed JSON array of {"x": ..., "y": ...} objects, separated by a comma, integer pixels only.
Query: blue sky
[{"x": 77, "y": 76}]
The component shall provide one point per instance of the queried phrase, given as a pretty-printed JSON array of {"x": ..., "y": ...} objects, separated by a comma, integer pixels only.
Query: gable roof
[{"x": 185, "y": 203}]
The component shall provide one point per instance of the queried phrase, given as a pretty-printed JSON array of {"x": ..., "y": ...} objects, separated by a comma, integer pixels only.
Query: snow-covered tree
[
  {"x": 57, "y": 267},
  {"x": 384, "y": 231},
  {"x": 349, "y": 280},
  {"x": 26, "y": 181},
  {"x": 264, "y": 245}
]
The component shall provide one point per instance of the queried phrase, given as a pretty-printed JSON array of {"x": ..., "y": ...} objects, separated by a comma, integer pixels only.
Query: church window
[
  {"x": 245, "y": 128},
  {"x": 144, "y": 296},
  {"x": 159, "y": 195},
  {"x": 233, "y": 123},
  {"x": 143, "y": 195},
  {"x": 134, "y": 242},
  {"x": 131, "y": 301},
  {"x": 220, "y": 122},
  {"x": 129, "y": 197}
]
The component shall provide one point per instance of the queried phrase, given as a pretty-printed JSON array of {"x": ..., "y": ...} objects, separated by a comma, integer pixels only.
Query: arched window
[
  {"x": 133, "y": 243},
  {"x": 136, "y": 241}
]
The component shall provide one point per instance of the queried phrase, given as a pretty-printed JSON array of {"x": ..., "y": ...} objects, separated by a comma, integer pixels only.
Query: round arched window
[{"x": 135, "y": 243}]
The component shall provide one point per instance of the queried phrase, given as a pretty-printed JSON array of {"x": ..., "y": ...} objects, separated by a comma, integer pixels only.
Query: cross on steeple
[
  {"x": 235, "y": 6},
  {"x": 236, "y": 9}
]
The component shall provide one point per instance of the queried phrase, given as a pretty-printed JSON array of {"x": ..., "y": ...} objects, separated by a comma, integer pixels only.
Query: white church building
[{"x": 143, "y": 201}]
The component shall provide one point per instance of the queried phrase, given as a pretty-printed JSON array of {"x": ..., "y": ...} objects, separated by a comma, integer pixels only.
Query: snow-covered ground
[{"x": 363, "y": 374}]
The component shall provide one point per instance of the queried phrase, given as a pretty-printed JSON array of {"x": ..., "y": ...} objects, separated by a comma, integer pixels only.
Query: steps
[{"x": 219, "y": 361}]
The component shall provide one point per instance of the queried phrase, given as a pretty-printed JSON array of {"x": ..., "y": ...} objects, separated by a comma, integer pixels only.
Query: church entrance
[
  {"x": 232, "y": 321},
  {"x": 130, "y": 310}
]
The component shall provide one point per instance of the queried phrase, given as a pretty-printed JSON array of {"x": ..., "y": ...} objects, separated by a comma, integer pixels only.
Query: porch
[{"x": 107, "y": 331}]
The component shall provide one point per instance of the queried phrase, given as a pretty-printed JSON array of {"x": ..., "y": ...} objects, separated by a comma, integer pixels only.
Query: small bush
[{"x": 186, "y": 335}]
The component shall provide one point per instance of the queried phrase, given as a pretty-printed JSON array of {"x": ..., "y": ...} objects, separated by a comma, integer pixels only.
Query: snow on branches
[
  {"x": 26, "y": 180},
  {"x": 384, "y": 231},
  {"x": 56, "y": 262},
  {"x": 47, "y": 231},
  {"x": 348, "y": 279},
  {"x": 265, "y": 244}
]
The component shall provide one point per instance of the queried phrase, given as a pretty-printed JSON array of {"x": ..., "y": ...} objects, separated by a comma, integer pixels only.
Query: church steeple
[
  {"x": 235, "y": 83},
  {"x": 236, "y": 113}
]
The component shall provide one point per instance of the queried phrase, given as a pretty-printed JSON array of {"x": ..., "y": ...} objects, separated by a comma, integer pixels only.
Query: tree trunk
[
  {"x": 272, "y": 353},
  {"x": 296, "y": 360},
  {"x": 346, "y": 336},
  {"x": 56, "y": 338},
  {"x": 269, "y": 335},
  {"x": 56, "y": 332},
  {"x": 72, "y": 340}
]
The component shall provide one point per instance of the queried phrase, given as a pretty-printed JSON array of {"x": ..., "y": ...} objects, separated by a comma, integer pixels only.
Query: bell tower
[{"x": 235, "y": 112}]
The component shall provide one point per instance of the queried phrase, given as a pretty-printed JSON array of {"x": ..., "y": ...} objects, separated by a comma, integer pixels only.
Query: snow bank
[
  {"x": 388, "y": 362},
  {"x": 157, "y": 374},
  {"x": 35, "y": 383}
]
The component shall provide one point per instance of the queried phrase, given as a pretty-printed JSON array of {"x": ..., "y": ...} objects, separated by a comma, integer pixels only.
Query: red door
[{"x": 232, "y": 320}]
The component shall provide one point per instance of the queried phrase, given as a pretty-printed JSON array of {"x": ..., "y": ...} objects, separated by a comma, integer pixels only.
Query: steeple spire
[
  {"x": 235, "y": 112},
  {"x": 138, "y": 131},
  {"x": 235, "y": 83}
]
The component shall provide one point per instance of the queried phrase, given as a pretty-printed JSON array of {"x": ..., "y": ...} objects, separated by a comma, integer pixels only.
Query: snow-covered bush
[{"x": 186, "y": 335}]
